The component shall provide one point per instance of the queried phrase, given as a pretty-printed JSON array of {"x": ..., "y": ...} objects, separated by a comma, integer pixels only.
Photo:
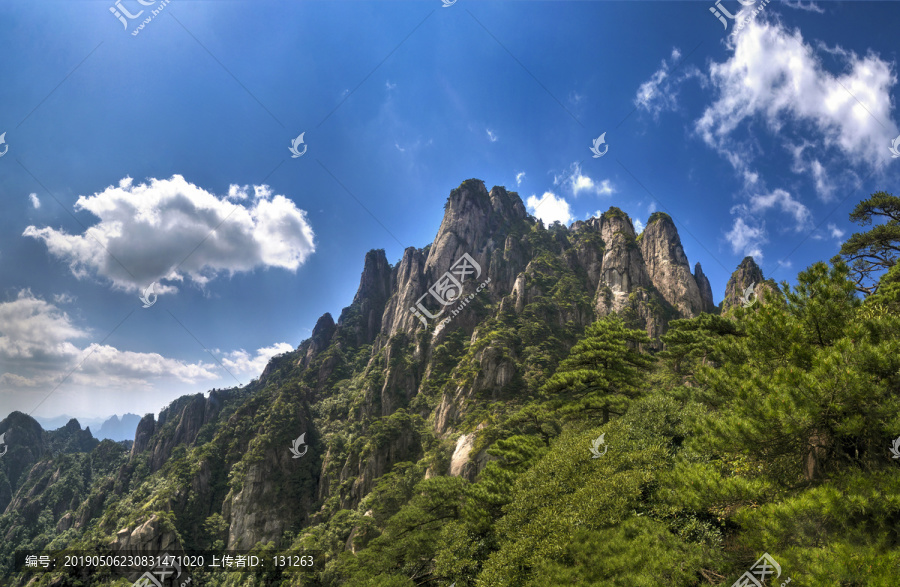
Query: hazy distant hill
[
  {"x": 119, "y": 429},
  {"x": 112, "y": 427}
]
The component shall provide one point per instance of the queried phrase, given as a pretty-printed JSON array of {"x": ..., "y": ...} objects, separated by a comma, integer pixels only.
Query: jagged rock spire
[
  {"x": 747, "y": 273},
  {"x": 705, "y": 290}
]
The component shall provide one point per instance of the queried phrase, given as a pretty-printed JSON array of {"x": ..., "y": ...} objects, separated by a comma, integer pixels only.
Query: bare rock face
[
  {"x": 364, "y": 315},
  {"x": 192, "y": 412},
  {"x": 588, "y": 249},
  {"x": 461, "y": 455},
  {"x": 476, "y": 223},
  {"x": 747, "y": 273},
  {"x": 153, "y": 536},
  {"x": 472, "y": 224},
  {"x": 409, "y": 282},
  {"x": 623, "y": 267},
  {"x": 145, "y": 429},
  {"x": 24, "y": 446},
  {"x": 321, "y": 337},
  {"x": 667, "y": 265},
  {"x": 197, "y": 412},
  {"x": 703, "y": 286}
]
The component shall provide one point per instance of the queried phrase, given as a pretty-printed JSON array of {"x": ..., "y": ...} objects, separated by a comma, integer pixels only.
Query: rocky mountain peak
[
  {"x": 363, "y": 316},
  {"x": 747, "y": 273},
  {"x": 705, "y": 290},
  {"x": 667, "y": 265},
  {"x": 473, "y": 222},
  {"x": 615, "y": 221}
]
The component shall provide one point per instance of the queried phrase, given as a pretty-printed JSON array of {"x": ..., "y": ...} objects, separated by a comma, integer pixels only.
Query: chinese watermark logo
[
  {"x": 894, "y": 148},
  {"x": 596, "y": 148},
  {"x": 145, "y": 296},
  {"x": 449, "y": 288},
  {"x": 749, "y": 292},
  {"x": 720, "y": 12},
  {"x": 161, "y": 574},
  {"x": 3, "y": 444},
  {"x": 124, "y": 15},
  {"x": 756, "y": 576},
  {"x": 3, "y": 142},
  {"x": 895, "y": 448},
  {"x": 295, "y": 447},
  {"x": 296, "y": 143},
  {"x": 595, "y": 446}
]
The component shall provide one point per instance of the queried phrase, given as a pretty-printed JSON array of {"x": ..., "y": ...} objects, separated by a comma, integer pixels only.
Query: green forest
[{"x": 759, "y": 430}]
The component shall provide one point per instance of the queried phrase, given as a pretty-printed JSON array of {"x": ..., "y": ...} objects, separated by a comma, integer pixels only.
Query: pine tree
[
  {"x": 603, "y": 371},
  {"x": 876, "y": 249}
]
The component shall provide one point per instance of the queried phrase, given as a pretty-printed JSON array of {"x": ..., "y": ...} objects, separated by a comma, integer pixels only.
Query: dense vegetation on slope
[{"x": 765, "y": 429}]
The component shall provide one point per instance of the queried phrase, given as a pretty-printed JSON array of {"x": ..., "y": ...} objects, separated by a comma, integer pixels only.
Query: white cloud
[
  {"x": 836, "y": 232},
  {"x": 651, "y": 207},
  {"x": 746, "y": 240},
  {"x": 786, "y": 203},
  {"x": 549, "y": 208},
  {"x": 399, "y": 148},
  {"x": 578, "y": 182},
  {"x": 491, "y": 135},
  {"x": 638, "y": 226},
  {"x": 775, "y": 77},
  {"x": 389, "y": 85},
  {"x": 240, "y": 361},
  {"x": 660, "y": 92},
  {"x": 63, "y": 298},
  {"x": 34, "y": 200},
  {"x": 37, "y": 349},
  {"x": 519, "y": 177},
  {"x": 148, "y": 232}
]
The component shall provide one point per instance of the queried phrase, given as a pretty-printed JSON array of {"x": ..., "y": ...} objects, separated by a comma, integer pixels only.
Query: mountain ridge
[{"x": 384, "y": 386}]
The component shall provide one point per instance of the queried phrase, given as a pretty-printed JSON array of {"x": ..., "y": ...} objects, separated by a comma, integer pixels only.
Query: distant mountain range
[{"x": 112, "y": 427}]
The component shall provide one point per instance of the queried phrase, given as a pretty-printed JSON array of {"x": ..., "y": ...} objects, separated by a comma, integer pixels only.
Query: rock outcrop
[
  {"x": 747, "y": 274},
  {"x": 667, "y": 265},
  {"x": 703, "y": 286}
]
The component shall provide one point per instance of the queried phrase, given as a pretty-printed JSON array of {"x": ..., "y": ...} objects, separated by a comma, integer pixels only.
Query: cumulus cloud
[
  {"x": 746, "y": 240},
  {"x": 519, "y": 177},
  {"x": 549, "y": 208},
  {"x": 240, "y": 361},
  {"x": 836, "y": 232},
  {"x": 34, "y": 200},
  {"x": 775, "y": 77},
  {"x": 38, "y": 348},
  {"x": 638, "y": 226},
  {"x": 172, "y": 229},
  {"x": 491, "y": 136}
]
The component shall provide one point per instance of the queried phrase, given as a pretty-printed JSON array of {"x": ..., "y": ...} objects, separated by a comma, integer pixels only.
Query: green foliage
[
  {"x": 603, "y": 371},
  {"x": 876, "y": 249}
]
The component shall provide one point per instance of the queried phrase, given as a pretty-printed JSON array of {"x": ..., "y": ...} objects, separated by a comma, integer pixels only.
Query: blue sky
[{"x": 161, "y": 154}]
